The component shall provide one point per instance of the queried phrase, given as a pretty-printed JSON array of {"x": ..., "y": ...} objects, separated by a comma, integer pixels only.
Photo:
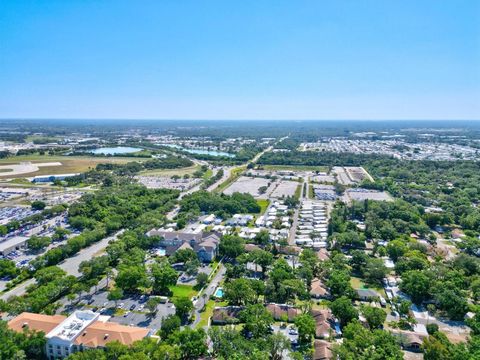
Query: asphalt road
[
  {"x": 209, "y": 292},
  {"x": 71, "y": 264},
  {"x": 19, "y": 290}
]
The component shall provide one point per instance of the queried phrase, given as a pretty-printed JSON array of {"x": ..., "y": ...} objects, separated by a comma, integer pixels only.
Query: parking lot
[
  {"x": 284, "y": 188},
  {"x": 249, "y": 185},
  {"x": 366, "y": 194}
]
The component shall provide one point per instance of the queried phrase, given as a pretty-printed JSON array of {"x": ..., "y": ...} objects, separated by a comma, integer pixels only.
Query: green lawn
[
  {"x": 208, "y": 174},
  {"x": 311, "y": 194},
  {"x": 183, "y": 291},
  {"x": 205, "y": 315},
  {"x": 298, "y": 191},
  {"x": 263, "y": 203},
  {"x": 170, "y": 172},
  {"x": 357, "y": 283}
]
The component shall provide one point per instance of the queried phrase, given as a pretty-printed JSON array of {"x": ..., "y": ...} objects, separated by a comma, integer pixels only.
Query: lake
[{"x": 115, "y": 150}]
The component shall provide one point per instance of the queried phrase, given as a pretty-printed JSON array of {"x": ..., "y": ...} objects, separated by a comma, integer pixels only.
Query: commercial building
[
  {"x": 81, "y": 330},
  {"x": 51, "y": 178},
  {"x": 12, "y": 244}
]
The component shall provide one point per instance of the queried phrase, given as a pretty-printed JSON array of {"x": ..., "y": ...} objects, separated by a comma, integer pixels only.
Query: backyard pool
[{"x": 219, "y": 292}]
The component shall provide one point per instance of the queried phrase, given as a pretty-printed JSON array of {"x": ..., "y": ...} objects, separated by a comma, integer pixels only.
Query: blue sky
[{"x": 259, "y": 59}]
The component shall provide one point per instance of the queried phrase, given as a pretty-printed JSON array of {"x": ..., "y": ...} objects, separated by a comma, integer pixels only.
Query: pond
[{"x": 115, "y": 150}]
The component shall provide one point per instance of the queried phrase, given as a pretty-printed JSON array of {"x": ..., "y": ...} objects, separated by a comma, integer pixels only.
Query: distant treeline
[{"x": 311, "y": 158}]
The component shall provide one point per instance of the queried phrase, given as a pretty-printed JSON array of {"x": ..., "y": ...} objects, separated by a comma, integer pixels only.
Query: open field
[
  {"x": 170, "y": 172},
  {"x": 68, "y": 164},
  {"x": 183, "y": 291},
  {"x": 263, "y": 203}
]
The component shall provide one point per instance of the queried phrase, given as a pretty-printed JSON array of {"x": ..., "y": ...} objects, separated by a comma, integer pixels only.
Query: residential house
[
  {"x": 225, "y": 315},
  {"x": 366, "y": 294},
  {"x": 318, "y": 290},
  {"x": 283, "y": 312},
  {"x": 324, "y": 323},
  {"x": 322, "y": 350}
]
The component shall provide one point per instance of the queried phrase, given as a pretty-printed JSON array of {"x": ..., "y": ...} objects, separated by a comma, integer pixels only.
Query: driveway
[{"x": 209, "y": 290}]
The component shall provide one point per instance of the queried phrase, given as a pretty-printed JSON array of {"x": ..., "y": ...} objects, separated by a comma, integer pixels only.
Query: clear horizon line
[{"x": 227, "y": 119}]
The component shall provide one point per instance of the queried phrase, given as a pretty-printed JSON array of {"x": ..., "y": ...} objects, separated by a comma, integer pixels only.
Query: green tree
[
  {"x": 131, "y": 278},
  {"x": 257, "y": 320},
  {"x": 163, "y": 276},
  {"x": 170, "y": 324},
  {"x": 239, "y": 292},
  {"x": 8, "y": 268},
  {"x": 306, "y": 328},
  {"x": 183, "y": 307},
  {"x": 375, "y": 316},
  {"x": 344, "y": 310},
  {"x": 416, "y": 284},
  {"x": 48, "y": 274},
  {"x": 375, "y": 271},
  {"x": 152, "y": 304},
  {"x": 360, "y": 343},
  {"x": 192, "y": 343},
  {"x": 38, "y": 205},
  {"x": 115, "y": 295},
  {"x": 36, "y": 243},
  {"x": 202, "y": 280},
  {"x": 231, "y": 246}
]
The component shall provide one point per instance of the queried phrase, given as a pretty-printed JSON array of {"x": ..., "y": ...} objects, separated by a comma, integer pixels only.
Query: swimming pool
[{"x": 219, "y": 292}]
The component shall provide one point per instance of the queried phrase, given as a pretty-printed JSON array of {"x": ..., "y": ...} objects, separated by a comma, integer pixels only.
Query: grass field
[
  {"x": 170, "y": 172},
  {"x": 208, "y": 174},
  {"x": 70, "y": 164},
  {"x": 298, "y": 191},
  {"x": 295, "y": 167},
  {"x": 311, "y": 194},
  {"x": 182, "y": 291},
  {"x": 357, "y": 283},
  {"x": 263, "y": 205}
]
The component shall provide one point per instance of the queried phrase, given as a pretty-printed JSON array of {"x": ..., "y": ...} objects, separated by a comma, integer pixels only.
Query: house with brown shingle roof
[
  {"x": 322, "y": 350},
  {"x": 226, "y": 315},
  {"x": 318, "y": 290},
  {"x": 281, "y": 312},
  {"x": 323, "y": 323}
]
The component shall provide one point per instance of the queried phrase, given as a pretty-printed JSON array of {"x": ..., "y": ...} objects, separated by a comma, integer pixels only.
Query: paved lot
[
  {"x": 245, "y": 184},
  {"x": 363, "y": 194},
  {"x": 138, "y": 316},
  {"x": 184, "y": 279},
  {"x": 285, "y": 188}
]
